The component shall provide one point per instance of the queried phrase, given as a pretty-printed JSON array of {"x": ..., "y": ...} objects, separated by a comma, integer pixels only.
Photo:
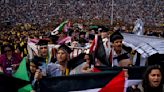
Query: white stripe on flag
[
  {"x": 88, "y": 90},
  {"x": 32, "y": 46},
  {"x": 129, "y": 83},
  {"x": 96, "y": 39}
]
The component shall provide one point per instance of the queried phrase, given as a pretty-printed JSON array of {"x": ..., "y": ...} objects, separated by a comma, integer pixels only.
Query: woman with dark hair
[
  {"x": 10, "y": 60},
  {"x": 152, "y": 81}
]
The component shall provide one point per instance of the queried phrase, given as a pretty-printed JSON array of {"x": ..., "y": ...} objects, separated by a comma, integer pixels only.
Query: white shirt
[{"x": 114, "y": 55}]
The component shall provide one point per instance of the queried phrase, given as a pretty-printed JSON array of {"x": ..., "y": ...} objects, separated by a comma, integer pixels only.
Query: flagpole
[{"x": 111, "y": 22}]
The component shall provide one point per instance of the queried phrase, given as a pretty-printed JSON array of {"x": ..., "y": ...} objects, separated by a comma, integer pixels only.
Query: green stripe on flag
[
  {"x": 26, "y": 88},
  {"x": 22, "y": 73},
  {"x": 61, "y": 26}
]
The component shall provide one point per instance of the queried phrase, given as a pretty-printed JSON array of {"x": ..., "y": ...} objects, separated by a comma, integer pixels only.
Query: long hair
[
  {"x": 67, "y": 56},
  {"x": 145, "y": 84}
]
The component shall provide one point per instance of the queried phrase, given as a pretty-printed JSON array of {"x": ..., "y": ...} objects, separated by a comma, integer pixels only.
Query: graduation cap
[
  {"x": 42, "y": 42},
  {"x": 122, "y": 56},
  {"x": 95, "y": 28},
  {"x": 91, "y": 37},
  {"x": 37, "y": 60},
  {"x": 115, "y": 36},
  {"x": 65, "y": 48},
  {"x": 82, "y": 33},
  {"x": 102, "y": 29},
  {"x": 70, "y": 31},
  {"x": 91, "y": 27},
  {"x": 11, "y": 84},
  {"x": 76, "y": 61}
]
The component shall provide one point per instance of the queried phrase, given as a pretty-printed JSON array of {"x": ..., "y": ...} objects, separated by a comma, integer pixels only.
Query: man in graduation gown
[
  {"x": 116, "y": 40},
  {"x": 59, "y": 68},
  {"x": 43, "y": 54}
]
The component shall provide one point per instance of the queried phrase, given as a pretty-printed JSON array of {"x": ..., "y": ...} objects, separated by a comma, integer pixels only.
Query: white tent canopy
[{"x": 145, "y": 45}]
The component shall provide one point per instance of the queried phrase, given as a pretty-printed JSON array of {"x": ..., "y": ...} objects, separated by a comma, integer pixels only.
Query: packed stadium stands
[{"x": 42, "y": 11}]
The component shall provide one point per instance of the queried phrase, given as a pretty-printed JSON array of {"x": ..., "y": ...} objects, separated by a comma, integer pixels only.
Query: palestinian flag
[
  {"x": 106, "y": 81},
  {"x": 94, "y": 44},
  {"x": 98, "y": 51},
  {"x": 19, "y": 82},
  {"x": 32, "y": 48},
  {"x": 11, "y": 84},
  {"x": 63, "y": 27},
  {"x": 22, "y": 74}
]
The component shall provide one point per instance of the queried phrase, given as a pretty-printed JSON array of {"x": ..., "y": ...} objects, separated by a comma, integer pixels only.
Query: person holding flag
[
  {"x": 59, "y": 68},
  {"x": 117, "y": 49},
  {"x": 63, "y": 56},
  {"x": 105, "y": 39},
  {"x": 40, "y": 67},
  {"x": 61, "y": 32}
]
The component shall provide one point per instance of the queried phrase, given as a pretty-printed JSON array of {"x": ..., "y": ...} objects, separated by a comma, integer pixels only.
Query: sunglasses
[{"x": 7, "y": 50}]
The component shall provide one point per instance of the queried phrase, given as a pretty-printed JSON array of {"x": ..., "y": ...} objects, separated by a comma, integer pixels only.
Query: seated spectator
[
  {"x": 9, "y": 60},
  {"x": 75, "y": 43},
  {"x": 82, "y": 42}
]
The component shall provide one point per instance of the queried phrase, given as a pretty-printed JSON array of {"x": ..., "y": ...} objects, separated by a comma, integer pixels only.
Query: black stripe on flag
[{"x": 77, "y": 82}]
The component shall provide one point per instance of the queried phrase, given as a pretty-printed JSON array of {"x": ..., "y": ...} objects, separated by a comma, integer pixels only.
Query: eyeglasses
[{"x": 7, "y": 50}]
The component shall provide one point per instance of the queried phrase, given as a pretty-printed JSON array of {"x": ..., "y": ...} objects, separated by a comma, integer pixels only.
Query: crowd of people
[
  {"x": 76, "y": 49},
  {"x": 64, "y": 60},
  {"x": 41, "y": 11}
]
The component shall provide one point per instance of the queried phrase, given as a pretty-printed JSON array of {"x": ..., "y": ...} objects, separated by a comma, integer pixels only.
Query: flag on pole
[
  {"x": 32, "y": 48},
  {"x": 94, "y": 44},
  {"x": 98, "y": 50},
  {"x": 63, "y": 27},
  {"x": 139, "y": 27}
]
